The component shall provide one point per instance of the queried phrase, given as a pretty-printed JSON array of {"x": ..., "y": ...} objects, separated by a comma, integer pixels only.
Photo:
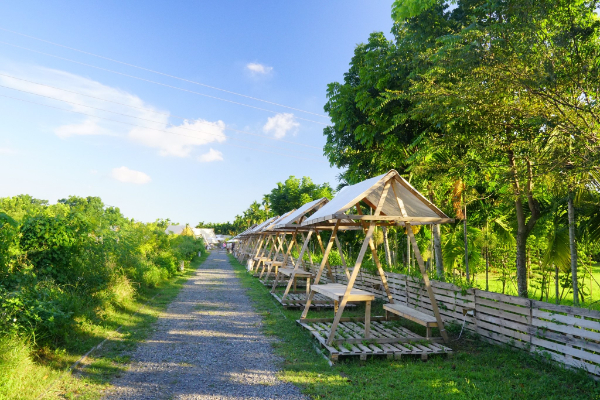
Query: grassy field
[
  {"x": 592, "y": 289},
  {"x": 477, "y": 371},
  {"x": 45, "y": 372}
]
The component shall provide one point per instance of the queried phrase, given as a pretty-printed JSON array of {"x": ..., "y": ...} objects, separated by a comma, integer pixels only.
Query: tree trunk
[
  {"x": 408, "y": 252},
  {"x": 437, "y": 244},
  {"x": 466, "y": 244},
  {"x": 487, "y": 268},
  {"x": 388, "y": 257},
  {"x": 556, "y": 283},
  {"x": 573, "y": 248},
  {"x": 524, "y": 225}
]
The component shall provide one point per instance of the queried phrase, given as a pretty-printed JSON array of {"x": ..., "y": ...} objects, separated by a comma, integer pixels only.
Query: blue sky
[{"x": 158, "y": 165}]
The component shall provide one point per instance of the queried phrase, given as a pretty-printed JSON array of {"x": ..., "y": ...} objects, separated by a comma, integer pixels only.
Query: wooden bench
[
  {"x": 292, "y": 274},
  {"x": 428, "y": 321}
]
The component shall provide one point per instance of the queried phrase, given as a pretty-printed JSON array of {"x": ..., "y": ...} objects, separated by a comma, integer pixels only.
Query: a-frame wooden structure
[{"x": 393, "y": 202}]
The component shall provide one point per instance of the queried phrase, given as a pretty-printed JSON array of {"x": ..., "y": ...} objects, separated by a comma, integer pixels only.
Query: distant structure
[
  {"x": 208, "y": 234},
  {"x": 180, "y": 230}
]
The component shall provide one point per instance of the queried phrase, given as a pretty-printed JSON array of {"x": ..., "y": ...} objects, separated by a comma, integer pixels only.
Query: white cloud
[
  {"x": 170, "y": 140},
  {"x": 258, "y": 69},
  {"x": 280, "y": 125},
  {"x": 180, "y": 140},
  {"x": 212, "y": 155},
  {"x": 127, "y": 175}
]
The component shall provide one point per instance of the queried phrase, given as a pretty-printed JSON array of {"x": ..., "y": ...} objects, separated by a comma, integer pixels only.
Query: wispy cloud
[
  {"x": 212, "y": 155},
  {"x": 280, "y": 125},
  {"x": 154, "y": 131},
  {"x": 126, "y": 175},
  {"x": 258, "y": 69}
]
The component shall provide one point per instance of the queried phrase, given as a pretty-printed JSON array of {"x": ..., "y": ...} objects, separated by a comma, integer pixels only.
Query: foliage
[
  {"x": 287, "y": 196},
  {"x": 486, "y": 106},
  {"x": 70, "y": 261}
]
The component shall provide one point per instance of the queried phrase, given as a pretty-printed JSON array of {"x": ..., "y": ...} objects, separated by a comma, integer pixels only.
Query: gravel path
[{"x": 207, "y": 345}]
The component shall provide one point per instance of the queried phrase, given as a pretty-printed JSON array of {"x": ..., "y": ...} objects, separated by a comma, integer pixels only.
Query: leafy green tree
[{"x": 295, "y": 192}]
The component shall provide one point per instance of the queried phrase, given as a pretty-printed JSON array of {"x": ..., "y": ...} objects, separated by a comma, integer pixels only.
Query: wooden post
[
  {"x": 341, "y": 251},
  {"x": 292, "y": 277},
  {"x": 326, "y": 252},
  {"x": 361, "y": 254},
  {"x": 329, "y": 272},
  {"x": 386, "y": 244},
  {"x": 430, "y": 293}
]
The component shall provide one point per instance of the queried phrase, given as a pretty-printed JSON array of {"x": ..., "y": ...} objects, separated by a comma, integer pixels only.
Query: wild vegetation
[{"x": 66, "y": 269}]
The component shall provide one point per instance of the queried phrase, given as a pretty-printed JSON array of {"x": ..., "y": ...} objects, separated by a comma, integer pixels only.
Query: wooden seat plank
[
  {"x": 336, "y": 291},
  {"x": 410, "y": 313}
]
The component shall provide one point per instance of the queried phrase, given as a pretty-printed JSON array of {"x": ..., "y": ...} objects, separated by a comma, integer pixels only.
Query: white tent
[{"x": 419, "y": 210}]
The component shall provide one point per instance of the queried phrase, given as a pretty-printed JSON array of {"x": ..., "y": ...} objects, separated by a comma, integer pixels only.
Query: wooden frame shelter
[
  {"x": 393, "y": 202},
  {"x": 241, "y": 248},
  {"x": 273, "y": 242},
  {"x": 255, "y": 243},
  {"x": 292, "y": 225},
  {"x": 245, "y": 238}
]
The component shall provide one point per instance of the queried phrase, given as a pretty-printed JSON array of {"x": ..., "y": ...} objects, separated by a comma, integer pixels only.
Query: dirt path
[{"x": 207, "y": 345}]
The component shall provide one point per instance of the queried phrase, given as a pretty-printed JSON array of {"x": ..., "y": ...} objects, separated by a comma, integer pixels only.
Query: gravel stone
[{"x": 207, "y": 345}]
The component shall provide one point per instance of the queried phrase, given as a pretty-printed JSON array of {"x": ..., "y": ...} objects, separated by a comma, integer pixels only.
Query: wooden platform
[
  {"x": 335, "y": 291},
  {"x": 298, "y": 300},
  {"x": 428, "y": 321},
  {"x": 300, "y": 273},
  {"x": 387, "y": 339}
]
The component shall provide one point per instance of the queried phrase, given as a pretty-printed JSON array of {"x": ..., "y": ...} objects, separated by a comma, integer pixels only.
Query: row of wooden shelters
[{"x": 383, "y": 201}]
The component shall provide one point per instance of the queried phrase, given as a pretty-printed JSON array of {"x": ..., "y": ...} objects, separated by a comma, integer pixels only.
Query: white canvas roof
[
  {"x": 258, "y": 228},
  {"x": 295, "y": 216},
  {"x": 176, "y": 229},
  {"x": 370, "y": 190},
  {"x": 273, "y": 224}
]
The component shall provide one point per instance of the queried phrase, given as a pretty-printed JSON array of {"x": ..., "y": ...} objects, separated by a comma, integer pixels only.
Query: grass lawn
[
  {"x": 591, "y": 287},
  {"x": 47, "y": 376},
  {"x": 477, "y": 371}
]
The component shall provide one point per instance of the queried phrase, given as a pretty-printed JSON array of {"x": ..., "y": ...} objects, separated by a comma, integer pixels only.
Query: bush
[
  {"x": 74, "y": 260},
  {"x": 42, "y": 312}
]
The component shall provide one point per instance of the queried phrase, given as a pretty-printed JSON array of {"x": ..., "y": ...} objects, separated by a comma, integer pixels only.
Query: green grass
[
  {"x": 592, "y": 302},
  {"x": 27, "y": 376},
  {"x": 477, "y": 371}
]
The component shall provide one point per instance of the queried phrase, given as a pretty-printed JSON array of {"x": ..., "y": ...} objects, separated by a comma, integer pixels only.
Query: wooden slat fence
[{"x": 565, "y": 334}]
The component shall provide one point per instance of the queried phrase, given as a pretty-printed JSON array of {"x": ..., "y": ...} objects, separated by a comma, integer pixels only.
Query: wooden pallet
[
  {"x": 298, "y": 300},
  {"x": 387, "y": 339}
]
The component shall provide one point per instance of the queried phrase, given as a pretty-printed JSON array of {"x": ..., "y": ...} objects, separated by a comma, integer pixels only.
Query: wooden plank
[
  {"x": 503, "y": 323},
  {"x": 566, "y": 329},
  {"x": 566, "y": 339},
  {"x": 503, "y": 314},
  {"x": 566, "y": 309},
  {"x": 566, "y": 319},
  {"x": 567, "y": 350},
  {"x": 427, "y": 220},
  {"x": 525, "y": 337},
  {"x": 502, "y": 297},
  {"x": 504, "y": 306}
]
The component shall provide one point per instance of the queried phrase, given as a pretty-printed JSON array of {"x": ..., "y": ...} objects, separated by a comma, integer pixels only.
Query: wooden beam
[
  {"x": 298, "y": 262},
  {"x": 326, "y": 252},
  {"x": 419, "y": 258},
  {"x": 395, "y": 218},
  {"x": 350, "y": 285},
  {"x": 329, "y": 273}
]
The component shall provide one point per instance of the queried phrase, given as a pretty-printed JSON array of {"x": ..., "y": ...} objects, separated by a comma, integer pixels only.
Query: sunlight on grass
[{"x": 477, "y": 371}]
